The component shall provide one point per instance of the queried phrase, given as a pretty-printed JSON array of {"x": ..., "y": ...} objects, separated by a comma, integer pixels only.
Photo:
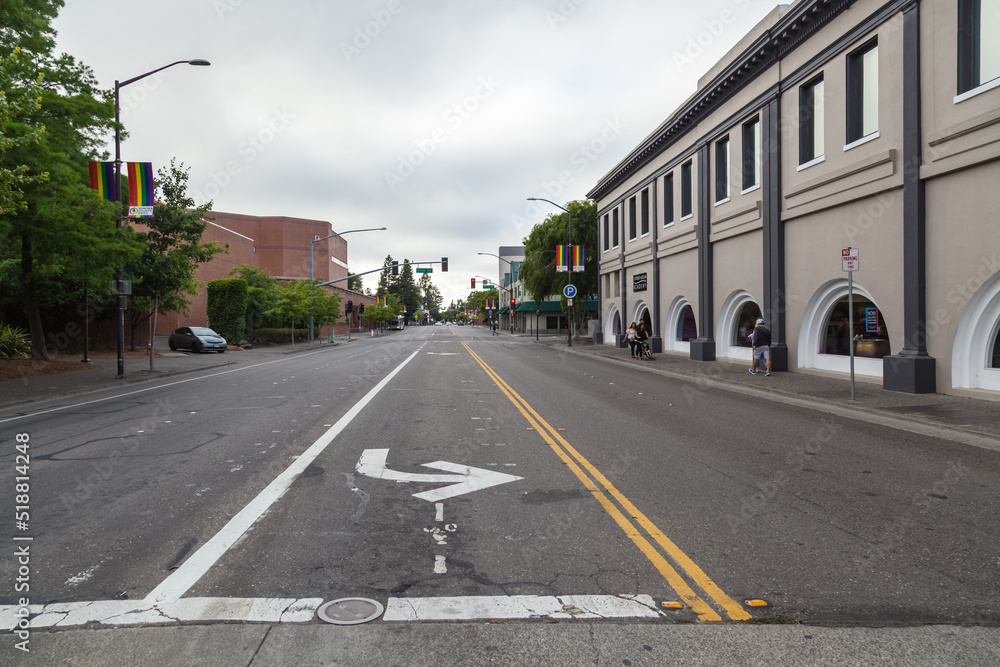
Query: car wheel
[
  {"x": 173, "y": 347},
  {"x": 196, "y": 347}
]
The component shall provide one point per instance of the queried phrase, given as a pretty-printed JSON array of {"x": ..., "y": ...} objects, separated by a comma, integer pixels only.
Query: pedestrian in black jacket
[{"x": 761, "y": 342}]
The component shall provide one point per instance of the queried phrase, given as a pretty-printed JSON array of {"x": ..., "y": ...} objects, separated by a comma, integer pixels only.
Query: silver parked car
[{"x": 197, "y": 339}]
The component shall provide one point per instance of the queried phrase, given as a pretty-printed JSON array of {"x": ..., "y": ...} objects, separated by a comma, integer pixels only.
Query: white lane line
[
  {"x": 178, "y": 583},
  {"x": 138, "y": 612},
  {"x": 159, "y": 386},
  {"x": 520, "y": 607},
  {"x": 303, "y": 610},
  {"x": 439, "y": 511}
]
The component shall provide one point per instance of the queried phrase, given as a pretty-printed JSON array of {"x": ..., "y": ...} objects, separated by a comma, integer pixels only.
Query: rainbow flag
[
  {"x": 562, "y": 258},
  {"x": 140, "y": 189},
  {"x": 102, "y": 179},
  {"x": 577, "y": 255}
]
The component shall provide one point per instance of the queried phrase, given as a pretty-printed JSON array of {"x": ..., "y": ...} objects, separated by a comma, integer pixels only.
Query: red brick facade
[{"x": 277, "y": 244}]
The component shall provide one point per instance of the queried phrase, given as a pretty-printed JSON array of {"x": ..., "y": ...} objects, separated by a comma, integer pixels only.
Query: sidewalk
[{"x": 969, "y": 420}]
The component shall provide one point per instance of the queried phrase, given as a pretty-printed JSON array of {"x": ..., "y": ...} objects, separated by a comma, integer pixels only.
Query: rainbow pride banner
[
  {"x": 102, "y": 179},
  {"x": 565, "y": 254},
  {"x": 140, "y": 189}
]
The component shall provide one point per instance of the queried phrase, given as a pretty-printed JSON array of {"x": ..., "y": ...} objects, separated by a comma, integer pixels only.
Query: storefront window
[
  {"x": 687, "y": 330},
  {"x": 870, "y": 336},
  {"x": 745, "y": 323}
]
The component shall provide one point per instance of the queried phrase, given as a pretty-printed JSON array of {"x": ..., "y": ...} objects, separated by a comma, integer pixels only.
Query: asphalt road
[{"x": 248, "y": 483}]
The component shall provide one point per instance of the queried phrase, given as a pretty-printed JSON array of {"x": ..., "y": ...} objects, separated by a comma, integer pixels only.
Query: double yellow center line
[{"x": 593, "y": 480}]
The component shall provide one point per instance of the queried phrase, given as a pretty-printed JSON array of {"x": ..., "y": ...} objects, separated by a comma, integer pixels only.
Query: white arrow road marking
[{"x": 465, "y": 479}]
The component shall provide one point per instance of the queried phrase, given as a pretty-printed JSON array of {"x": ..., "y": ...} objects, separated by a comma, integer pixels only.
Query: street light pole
[
  {"x": 122, "y": 298},
  {"x": 311, "y": 286},
  {"x": 569, "y": 319}
]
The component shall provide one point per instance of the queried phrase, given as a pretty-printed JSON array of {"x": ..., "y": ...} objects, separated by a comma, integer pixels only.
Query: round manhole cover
[{"x": 350, "y": 611}]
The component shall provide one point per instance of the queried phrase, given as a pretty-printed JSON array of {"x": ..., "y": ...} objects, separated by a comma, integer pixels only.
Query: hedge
[
  {"x": 279, "y": 336},
  {"x": 227, "y": 308}
]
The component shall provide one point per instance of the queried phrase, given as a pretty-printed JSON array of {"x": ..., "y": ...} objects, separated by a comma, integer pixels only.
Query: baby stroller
[{"x": 645, "y": 352}]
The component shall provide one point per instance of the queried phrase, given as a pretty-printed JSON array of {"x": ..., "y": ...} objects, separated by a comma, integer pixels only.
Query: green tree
[
  {"x": 538, "y": 271},
  {"x": 17, "y": 104},
  {"x": 163, "y": 277},
  {"x": 387, "y": 281},
  {"x": 406, "y": 288},
  {"x": 430, "y": 294},
  {"x": 261, "y": 292},
  {"x": 58, "y": 237},
  {"x": 356, "y": 284}
]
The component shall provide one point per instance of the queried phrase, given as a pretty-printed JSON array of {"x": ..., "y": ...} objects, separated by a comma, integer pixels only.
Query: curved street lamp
[
  {"x": 311, "y": 242},
  {"x": 569, "y": 319},
  {"x": 122, "y": 298},
  {"x": 510, "y": 288}
]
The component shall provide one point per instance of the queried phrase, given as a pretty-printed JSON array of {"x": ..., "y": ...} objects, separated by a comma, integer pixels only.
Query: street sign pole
[
  {"x": 850, "y": 323},
  {"x": 851, "y": 260}
]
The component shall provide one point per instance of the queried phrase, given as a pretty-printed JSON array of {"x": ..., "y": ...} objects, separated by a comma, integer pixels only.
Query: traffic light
[
  {"x": 395, "y": 268},
  {"x": 361, "y": 309},
  {"x": 350, "y": 308},
  {"x": 444, "y": 264},
  {"x": 473, "y": 283},
  {"x": 512, "y": 302}
]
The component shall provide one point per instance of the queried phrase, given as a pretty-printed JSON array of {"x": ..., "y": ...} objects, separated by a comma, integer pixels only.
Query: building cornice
[{"x": 799, "y": 22}]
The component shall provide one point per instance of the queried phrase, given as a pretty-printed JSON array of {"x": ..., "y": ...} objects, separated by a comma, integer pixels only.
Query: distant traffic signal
[
  {"x": 473, "y": 283},
  {"x": 361, "y": 309},
  {"x": 395, "y": 268},
  {"x": 512, "y": 302},
  {"x": 350, "y": 308},
  {"x": 444, "y": 264}
]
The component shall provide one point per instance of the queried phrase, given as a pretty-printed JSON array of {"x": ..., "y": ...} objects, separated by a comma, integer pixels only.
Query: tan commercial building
[{"x": 868, "y": 125}]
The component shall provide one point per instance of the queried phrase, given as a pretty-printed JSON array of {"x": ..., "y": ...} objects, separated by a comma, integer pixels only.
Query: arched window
[
  {"x": 746, "y": 319},
  {"x": 687, "y": 328},
  {"x": 995, "y": 357},
  {"x": 870, "y": 335}
]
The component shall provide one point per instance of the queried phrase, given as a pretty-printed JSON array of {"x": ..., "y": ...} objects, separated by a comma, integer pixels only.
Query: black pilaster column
[
  {"x": 912, "y": 370},
  {"x": 599, "y": 334},
  {"x": 774, "y": 233},
  {"x": 621, "y": 235},
  {"x": 655, "y": 340},
  {"x": 703, "y": 347}
]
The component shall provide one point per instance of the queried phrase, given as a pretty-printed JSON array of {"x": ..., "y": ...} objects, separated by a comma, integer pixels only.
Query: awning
[
  {"x": 504, "y": 310},
  {"x": 545, "y": 307}
]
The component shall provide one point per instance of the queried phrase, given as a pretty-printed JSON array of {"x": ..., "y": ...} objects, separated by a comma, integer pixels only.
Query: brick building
[{"x": 277, "y": 244}]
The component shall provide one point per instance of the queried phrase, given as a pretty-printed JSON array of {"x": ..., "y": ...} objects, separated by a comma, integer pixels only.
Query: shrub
[
  {"x": 14, "y": 342},
  {"x": 279, "y": 336},
  {"x": 227, "y": 308}
]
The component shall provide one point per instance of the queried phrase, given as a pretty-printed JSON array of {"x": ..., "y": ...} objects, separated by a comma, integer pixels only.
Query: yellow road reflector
[
  {"x": 672, "y": 605},
  {"x": 755, "y": 603},
  {"x": 560, "y": 429},
  {"x": 529, "y": 429}
]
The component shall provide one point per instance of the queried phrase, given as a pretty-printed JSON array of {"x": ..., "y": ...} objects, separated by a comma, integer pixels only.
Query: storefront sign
[{"x": 639, "y": 282}]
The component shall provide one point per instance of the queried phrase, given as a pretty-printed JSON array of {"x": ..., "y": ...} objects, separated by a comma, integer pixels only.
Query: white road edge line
[{"x": 178, "y": 583}]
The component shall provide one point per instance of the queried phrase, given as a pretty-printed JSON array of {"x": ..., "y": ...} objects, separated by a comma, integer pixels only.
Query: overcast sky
[{"x": 436, "y": 119}]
